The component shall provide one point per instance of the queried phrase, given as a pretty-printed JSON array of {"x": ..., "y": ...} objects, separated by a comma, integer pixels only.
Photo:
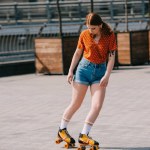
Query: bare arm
[
  {"x": 76, "y": 57},
  {"x": 110, "y": 65}
]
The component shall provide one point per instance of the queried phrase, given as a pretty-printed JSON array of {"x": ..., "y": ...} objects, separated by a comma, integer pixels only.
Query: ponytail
[{"x": 106, "y": 29}]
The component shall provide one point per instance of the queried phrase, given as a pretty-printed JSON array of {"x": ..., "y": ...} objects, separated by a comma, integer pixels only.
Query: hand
[
  {"x": 104, "y": 81},
  {"x": 70, "y": 77}
]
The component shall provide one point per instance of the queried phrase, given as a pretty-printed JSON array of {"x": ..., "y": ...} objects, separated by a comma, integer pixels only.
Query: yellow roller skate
[
  {"x": 86, "y": 141},
  {"x": 63, "y": 135}
]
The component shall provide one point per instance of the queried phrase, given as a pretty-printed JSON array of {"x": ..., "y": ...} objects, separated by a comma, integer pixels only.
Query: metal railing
[
  {"x": 21, "y": 13},
  {"x": 17, "y": 41},
  {"x": 16, "y": 48}
]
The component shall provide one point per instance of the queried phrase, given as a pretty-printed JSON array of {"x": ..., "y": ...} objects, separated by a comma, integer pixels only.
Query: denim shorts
[{"x": 89, "y": 73}]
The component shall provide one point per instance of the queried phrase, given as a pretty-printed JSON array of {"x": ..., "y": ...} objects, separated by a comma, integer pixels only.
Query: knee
[{"x": 74, "y": 106}]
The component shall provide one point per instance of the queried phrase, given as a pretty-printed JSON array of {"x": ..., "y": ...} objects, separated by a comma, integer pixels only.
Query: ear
[{"x": 101, "y": 26}]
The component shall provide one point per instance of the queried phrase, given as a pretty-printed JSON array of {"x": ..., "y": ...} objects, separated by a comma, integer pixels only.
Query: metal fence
[
  {"x": 21, "y": 13},
  {"x": 17, "y": 42},
  {"x": 23, "y": 22}
]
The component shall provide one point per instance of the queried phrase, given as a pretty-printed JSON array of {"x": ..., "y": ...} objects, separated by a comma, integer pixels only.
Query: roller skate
[
  {"x": 63, "y": 135},
  {"x": 86, "y": 141}
]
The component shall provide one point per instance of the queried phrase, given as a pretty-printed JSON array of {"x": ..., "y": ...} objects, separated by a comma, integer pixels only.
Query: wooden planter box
[
  {"x": 48, "y": 55},
  {"x": 69, "y": 47},
  {"x": 133, "y": 48},
  {"x": 52, "y": 57}
]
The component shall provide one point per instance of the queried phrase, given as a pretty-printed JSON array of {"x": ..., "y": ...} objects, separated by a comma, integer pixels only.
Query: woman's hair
[{"x": 95, "y": 19}]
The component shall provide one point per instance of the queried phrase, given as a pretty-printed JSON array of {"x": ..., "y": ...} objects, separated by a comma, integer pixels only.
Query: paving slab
[{"x": 31, "y": 107}]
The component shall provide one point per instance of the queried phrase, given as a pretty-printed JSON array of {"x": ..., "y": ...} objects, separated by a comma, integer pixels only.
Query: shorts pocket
[
  {"x": 84, "y": 64},
  {"x": 101, "y": 71}
]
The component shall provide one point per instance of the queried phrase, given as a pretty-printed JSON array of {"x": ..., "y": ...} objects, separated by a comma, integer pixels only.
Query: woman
[{"x": 97, "y": 45}]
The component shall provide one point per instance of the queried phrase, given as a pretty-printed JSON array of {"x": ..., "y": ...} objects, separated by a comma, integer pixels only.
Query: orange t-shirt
[{"x": 96, "y": 52}]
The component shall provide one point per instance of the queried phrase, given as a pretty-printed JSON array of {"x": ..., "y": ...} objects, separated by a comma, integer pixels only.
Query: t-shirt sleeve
[
  {"x": 80, "y": 44},
  {"x": 112, "y": 43}
]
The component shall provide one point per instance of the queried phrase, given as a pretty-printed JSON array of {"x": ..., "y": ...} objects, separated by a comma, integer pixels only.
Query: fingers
[
  {"x": 69, "y": 79},
  {"x": 103, "y": 84}
]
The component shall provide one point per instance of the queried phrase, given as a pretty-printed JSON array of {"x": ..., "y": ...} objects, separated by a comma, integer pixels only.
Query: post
[
  {"x": 91, "y": 5},
  {"x": 80, "y": 11},
  {"x": 60, "y": 21},
  {"x": 126, "y": 15},
  {"x": 143, "y": 8},
  {"x": 60, "y": 33},
  {"x": 111, "y": 10},
  {"x": 48, "y": 11},
  {"x": 16, "y": 12}
]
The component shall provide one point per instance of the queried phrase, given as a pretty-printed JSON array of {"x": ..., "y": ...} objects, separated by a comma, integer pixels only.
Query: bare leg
[
  {"x": 98, "y": 95},
  {"x": 78, "y": 94}
]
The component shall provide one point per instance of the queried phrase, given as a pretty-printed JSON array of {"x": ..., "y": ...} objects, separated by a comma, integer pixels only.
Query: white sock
[
  {"x": 63, "y": 124},
  {"x": 86, "y": 128}
]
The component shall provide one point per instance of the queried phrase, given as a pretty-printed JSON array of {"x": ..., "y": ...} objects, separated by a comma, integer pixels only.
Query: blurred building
[
  {"x": 21, "y": 21},
  {"x": 20, "y": 1}
]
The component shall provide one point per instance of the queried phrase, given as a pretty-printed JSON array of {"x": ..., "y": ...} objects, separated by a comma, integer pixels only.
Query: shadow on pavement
[
  {"x": 127, "y": 148},
  {"x": 131, "y": 68}
]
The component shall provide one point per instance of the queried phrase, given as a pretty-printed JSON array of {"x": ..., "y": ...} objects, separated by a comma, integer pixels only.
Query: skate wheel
[
  {"x": 66, "y": 146},
  {"x": 57, "y": 141},
  {"x": 72, "y": 145},
  {"x": 94, "y": 148},
  {"x": 81, "y": 148},
  {"x": 97, "y": 147}
]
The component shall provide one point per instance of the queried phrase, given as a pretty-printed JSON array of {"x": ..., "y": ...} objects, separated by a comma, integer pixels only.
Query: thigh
[
  {"x": 78, "y": 92},
  {"x": 98, "y": 94}
]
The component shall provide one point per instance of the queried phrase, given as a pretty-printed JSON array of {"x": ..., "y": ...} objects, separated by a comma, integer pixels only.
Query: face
[{"x": 94, "y": 29}]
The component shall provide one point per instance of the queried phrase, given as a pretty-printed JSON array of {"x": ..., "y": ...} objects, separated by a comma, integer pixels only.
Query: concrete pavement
[{"x": 31, "y": 107}]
